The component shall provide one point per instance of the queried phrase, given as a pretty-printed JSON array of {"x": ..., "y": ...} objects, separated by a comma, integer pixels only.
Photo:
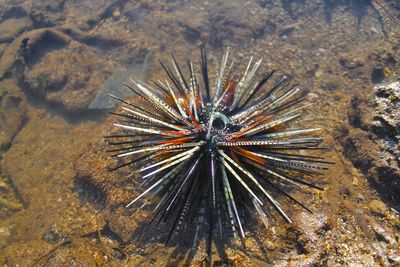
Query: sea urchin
[{"x": 213, "y": 151}]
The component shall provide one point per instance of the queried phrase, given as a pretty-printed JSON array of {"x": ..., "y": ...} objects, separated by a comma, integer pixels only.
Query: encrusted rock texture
[{"x": 372, "y": 143}]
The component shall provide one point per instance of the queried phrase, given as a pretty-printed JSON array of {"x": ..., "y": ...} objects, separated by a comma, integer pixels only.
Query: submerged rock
[
  {"x": 350, "y": 63},
  {"x": 11, "y": 28},
  {"x": 13, "y": 110},
  {"x": 63, "y": 77},
  {"x": 47, "y": 13},
  {"x": 61, "y": 68}
]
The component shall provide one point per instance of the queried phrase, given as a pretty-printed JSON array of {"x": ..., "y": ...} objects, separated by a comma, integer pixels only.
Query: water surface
[{"x": 60, "y": 206}]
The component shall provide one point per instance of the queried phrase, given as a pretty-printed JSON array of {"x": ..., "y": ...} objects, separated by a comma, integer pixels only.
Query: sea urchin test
[{"x": 212, "y": 149}]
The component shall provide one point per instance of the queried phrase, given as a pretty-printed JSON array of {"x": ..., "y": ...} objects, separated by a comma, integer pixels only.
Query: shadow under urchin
[{"x": 213, "y": 150}]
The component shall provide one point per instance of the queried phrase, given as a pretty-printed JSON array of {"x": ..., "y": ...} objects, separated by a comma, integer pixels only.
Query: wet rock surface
[
  {"x": 60, "y": 204},
  {"x": 13, "y": 116},
  {"x": 11, "y": 28},
  {"x": 373, "y": 143},
  {"x": 73, "y": 84},
  {"x": 79, "y": 69},
  {"x": 47, "y": 13}
]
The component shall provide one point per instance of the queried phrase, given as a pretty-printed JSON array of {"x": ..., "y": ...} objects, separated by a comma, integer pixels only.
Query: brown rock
[
  {"x": 64, "y": 77},
  {"x": 309, "y": 226},
  {"x": 2, "y": 48},
  {"x": 47, "y": 13},
  {"x": 122, "y": 224},
  {"x": 62, "y": 67},
  {"x": 13, "y": 110},
  {"x": 92, "y": 168},
  {"x": 11, "y": 28},
  {"x": 38, "y": 252},
  {"x": 21, "y": 49},
  {"x": 360, "y": 148},
  {"x": 5, "y": 234},
  {"x": 350, "y": 62},
  {"x": 23, "y": 254},
  {"x": 377, "y": 207}
]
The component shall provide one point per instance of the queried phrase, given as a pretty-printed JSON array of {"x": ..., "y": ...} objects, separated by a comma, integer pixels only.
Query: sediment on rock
[
  {"x": 373, "y": 142},
  {"x": 13, "y": 113},
  {"x": 62, "y": 67}
]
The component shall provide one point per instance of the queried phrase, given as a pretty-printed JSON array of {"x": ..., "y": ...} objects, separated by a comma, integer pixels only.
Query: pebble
[
  {"x": 4, "y": 235},
  {"x": 360, "y": 198},
  {"x": 318, "y": 73},
  {"x": 351, "y": 63},
  {"x": 116, "y": 13},
  {"x": 313, "y": 96},
  {"x": 3, "y": 185},
  {"x": 270, "y": 245}
]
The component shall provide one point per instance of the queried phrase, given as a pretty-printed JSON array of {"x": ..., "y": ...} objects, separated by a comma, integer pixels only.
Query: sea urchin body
[{"x": 212, "y": 151}]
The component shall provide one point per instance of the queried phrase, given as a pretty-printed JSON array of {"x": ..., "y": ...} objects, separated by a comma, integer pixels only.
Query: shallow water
[{"x": 60, "y": 206}]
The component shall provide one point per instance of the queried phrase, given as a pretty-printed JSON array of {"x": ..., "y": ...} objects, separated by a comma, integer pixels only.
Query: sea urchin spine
[{"x": 211, "y": 152}]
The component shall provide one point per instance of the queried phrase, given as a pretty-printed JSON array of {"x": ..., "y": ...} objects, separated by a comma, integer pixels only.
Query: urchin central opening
[
  {"x": 218, "y": 124},
  {"x": 220, "y": 121}
]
